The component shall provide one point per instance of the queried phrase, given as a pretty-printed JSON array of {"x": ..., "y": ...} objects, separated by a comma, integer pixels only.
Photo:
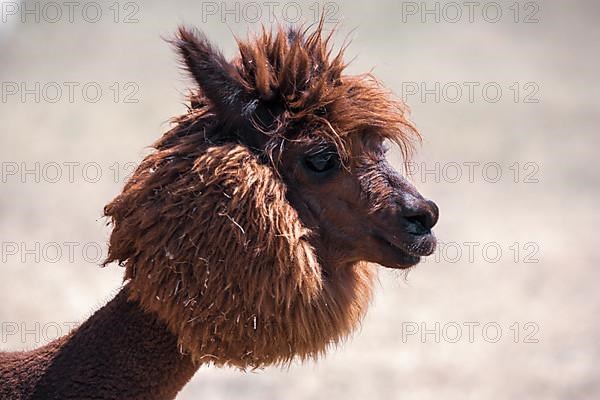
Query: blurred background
[{"x": 506, "y": 96}]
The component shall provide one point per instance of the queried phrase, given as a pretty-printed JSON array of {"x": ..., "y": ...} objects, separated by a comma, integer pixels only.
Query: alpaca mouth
[{"x": 406, "y": 251}]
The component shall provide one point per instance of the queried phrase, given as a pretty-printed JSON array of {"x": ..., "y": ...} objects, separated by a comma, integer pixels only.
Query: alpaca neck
[{"x": 120, "y": 352}]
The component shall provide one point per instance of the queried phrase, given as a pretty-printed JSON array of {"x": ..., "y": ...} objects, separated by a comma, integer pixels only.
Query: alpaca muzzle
[{"x": 404, "y": 225}]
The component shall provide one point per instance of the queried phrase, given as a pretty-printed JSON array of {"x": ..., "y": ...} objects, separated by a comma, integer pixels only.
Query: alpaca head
[{"x": 250, "y": 229}]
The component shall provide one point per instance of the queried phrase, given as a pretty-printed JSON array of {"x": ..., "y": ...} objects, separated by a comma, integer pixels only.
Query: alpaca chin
[{"x": 211, "y": 245}]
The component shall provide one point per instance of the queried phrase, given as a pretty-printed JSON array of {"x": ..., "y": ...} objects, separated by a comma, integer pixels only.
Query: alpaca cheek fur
[{"x": 333, "y": 210}]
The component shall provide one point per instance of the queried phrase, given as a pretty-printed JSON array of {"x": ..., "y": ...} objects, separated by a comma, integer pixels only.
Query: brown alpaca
[{"x": 246, "y": 236}]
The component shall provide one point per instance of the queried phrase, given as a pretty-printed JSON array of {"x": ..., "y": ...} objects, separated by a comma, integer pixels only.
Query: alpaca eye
[{"x": 321, "y": 162}]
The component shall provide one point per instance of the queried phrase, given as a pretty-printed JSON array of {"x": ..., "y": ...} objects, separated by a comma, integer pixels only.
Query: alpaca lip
[
  {"x": 413, "y": 245},
  {"x": 395, "y": 256}
]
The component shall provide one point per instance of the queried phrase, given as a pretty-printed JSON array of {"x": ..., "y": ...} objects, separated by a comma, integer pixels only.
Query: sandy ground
[{"x": 532, "y": 309}]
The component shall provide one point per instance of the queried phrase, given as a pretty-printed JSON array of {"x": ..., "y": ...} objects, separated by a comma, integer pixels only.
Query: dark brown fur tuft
[{"x": 283, "y": 86}]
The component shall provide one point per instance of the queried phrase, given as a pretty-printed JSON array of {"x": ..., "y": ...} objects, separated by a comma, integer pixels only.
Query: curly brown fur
[{"x": 220, "y": 255}]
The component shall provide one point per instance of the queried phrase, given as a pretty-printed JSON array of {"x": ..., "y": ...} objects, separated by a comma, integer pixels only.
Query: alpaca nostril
[
  {"x": 421, "y": 220},
  {"x": 417, "y": 224}
]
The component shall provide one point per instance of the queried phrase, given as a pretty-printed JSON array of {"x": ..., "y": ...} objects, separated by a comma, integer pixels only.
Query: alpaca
[{"x": 249, "y": 236}]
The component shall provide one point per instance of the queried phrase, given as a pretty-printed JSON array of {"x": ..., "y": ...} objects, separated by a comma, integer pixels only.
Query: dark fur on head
[
  {"x": 212, "y": 241},
  {"x": 284, "y": 86}
]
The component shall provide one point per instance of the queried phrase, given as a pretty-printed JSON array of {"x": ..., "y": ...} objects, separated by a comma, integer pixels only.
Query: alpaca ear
[{"x": 213, "y": 73}]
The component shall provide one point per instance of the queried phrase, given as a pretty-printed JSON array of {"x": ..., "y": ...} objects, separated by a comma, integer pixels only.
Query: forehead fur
[{"x": 291, "y": 85}]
